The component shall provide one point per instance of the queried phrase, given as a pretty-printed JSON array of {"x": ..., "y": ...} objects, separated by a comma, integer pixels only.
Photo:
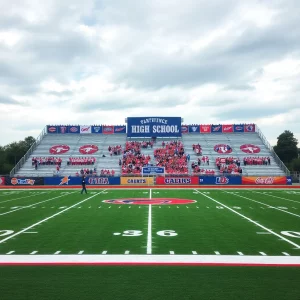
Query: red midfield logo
[
  {"x": 223, "y": 149},
  {"x": 88, "y": 149},
  {"x": 250, "y": 148},
  {"x": 147, "y": 201},
  {"x": 59, "y": 149}
]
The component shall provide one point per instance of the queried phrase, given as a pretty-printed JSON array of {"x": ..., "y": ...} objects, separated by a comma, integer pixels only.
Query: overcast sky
[{"x": 100, "y": 61}]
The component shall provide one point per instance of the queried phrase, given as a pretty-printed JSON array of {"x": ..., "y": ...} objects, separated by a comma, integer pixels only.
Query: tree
[
  {"x": 286, "y": 147},
  {"x": 296, "y": 165}
]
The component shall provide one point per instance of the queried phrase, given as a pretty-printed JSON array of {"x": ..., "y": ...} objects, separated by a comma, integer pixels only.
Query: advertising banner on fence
[
  {"x": 97, "y": 129},
  {"x": 154, "y": 127},
  {"x": 2, "y": 180},
  {"x": 108, "y": 129},
  {"x": 264, "y": 180},
  {"x": 18, "y": 181},
  {"x": 227, "y": 128},
  {"x": 73, "y": 129},
  {"x": 238, "y": 128},
  {"x": 184, "y": 129},
  {"x": 289, "y": 180},
  {"x": 52, "y": 129},
  {"x": 120, "y": 129},
  {"x": 85, "y": 129},
  {"x": 153, "y": 170},
  {"x": 220, "y": 180},
  {"x": 205, "y": 128},
  {"x": 137, "y": 180},
  {"x": 216, "y": 128},
  {"x": 249, "y": 128},
  {"x": 177, "y": 180},
  {"x": 68, "y": 180},
  {"x": 194, "y": 128}
]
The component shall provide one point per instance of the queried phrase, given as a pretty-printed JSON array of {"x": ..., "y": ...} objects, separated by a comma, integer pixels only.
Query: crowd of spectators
[
  {"x": 80, "y": 161},
  {"x": 197, "y": 149},
  {"x": 46, "y": 161},
  {"x": 229, "y": 165},
  {"x": 133, "y": 160},
  {"x": 115, "y": 150},
  {"x": 257, "y": 161},
  {"x": 172, "y": 157},
  {"x": 93, "y": 172},
  {"x": 201, "y": 171}
]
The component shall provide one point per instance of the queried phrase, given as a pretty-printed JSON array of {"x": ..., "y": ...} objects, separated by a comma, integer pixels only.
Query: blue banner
[
  {"x": 216, "y": 128},
  {"x": 62, "y": 129},
  {"x": 73, "y": 129},
  {"x": 154, "y": 127},
  {"x": 52, "y": 129},
  {"x": 194, "y": 128},
  {"x": 120, "y": 129},
  {"x": 68, "y": 180},
  {"x": 220, "y": 180},
  {"x": 153, "y": 170},
  {"x": 97, "y": 129},
  {"x": 238, "y": 128},
  {"x": 289, "y": 180}
]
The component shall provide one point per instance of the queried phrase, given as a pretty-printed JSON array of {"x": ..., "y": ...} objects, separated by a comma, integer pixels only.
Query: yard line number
[{"x": 166, "y": 233}]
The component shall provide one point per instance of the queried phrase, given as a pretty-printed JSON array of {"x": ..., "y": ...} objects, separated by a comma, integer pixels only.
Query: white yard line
[
  {"x": 19, "y": 198},
  {"x": 250, "y": 220},
  {"x": 276, "y": 197},
  {"x": 270, "y": 206},
  {"x": 11, "y": 211},
  {"x": 46, "y": 219},
  {"x": 149, "y": 235}
]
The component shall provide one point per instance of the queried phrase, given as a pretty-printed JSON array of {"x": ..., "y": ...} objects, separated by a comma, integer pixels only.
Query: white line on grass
[
  {"x": 11, "y": 211},
  {"x": 172, "y": 252},
  {"x": 127, "y": 252},
  {"x": 217, "y": 252},
  {"x": 250, "y": 220},
  {"x": 240, "y": 253},
  {"x": 104, "y": 252},
  {"x": 263, "y": 253},
  {"x": 46, "y": 219},
  {"x": 270, "y": 206},
  {"x": 19, "y": 198},
  {"x": 34, "y": 252},
  {"x": 194, "y": 252},
  {"x": 10, "y": 252},
  {"x": 286, "y": 254},
  {"x": 80, "y": 252},
  {"x": 275, "y": 197},
  {"x": 57, "y": 252},
  {"x": 149, "y": 235}
]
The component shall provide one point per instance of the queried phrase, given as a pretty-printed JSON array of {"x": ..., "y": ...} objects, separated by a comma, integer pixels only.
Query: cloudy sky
[{"x": 100, "y": 61}]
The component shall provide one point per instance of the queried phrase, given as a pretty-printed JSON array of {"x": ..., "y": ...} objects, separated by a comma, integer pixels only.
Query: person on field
[{"x": 83, "y": 185}]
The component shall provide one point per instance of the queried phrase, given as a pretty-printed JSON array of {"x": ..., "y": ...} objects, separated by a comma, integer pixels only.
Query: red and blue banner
[
  {"x": 205, "y": 128},
  {"x": 220, "y": 180},
  {"x": 265, "y": 180},
  {"x": 184, "y": 129},
  {"x": 120, "y": 129},
  {"x": 69, "y": 180},
  {"x": 108, "y": 129},
  {"x": 97, "y": 129},
  {"x": 194, "y": 128},
  {"x": 62, "y": 129},
  {"x": 177, "y": 180},
  {"x": 2, "y": 180},
  {"x": 52, "y": 129},
  {"x": 289, "y": 180},
  {"x": 227, "y": 128},
  {"x": 249, "y": 128},
  {"x": 216, "y": 128},
  {"x": 238, "y": 128},
  {"x": 73, "y": 129}
]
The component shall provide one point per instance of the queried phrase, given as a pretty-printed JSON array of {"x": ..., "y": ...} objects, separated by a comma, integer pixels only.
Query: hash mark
[
  {"x": 263, "y": 253},
  {"x": 194, "y": 252},
  {"x": 33, "y": 252},
  {"x": 57, "y": 252},
  {"x": 10, "y": 252},
  {"x": 171, "y": 252},
  {"x": 217, "y": 252},
  {"x": 240, "y": 253},
  {"x": 286, "y": 254},
  {"x": 80, "y": 252},
  {"x": 104, "y": 252},
  {"x": 127, "y": 252}
]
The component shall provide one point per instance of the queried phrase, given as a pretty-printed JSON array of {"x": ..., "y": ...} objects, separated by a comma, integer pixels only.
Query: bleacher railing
[
  {"x": 276, "y": 158},
  {"x": 22, "y": 161}
]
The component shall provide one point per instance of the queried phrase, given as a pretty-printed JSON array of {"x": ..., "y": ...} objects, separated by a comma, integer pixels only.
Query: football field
[{"x": 150, "y": 244}]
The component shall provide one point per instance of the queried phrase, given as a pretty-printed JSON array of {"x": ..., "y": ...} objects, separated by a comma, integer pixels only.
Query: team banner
[
  {"x": 120, "y": 129},
  {"x": 289, "y": 180},
  {"x": 184, "y": 128},
  {"x": 2, "y": 180},
  {"x": 97, "y": 129},
  {"x": 264, "y": 180},
  {"x": 137, "y": 180},
  {"x": 177, "y": 180},
  {"x": 62, "y": 129},
  {"x": 68, "y": 180},
  {"x": 154, "y": 127},
  {"x": 73, "y": 129},
  {"x": 227, "y": 128},
  {"x": 205, "y": 128},
  {"x": 249, "y": 128},
  {"x": 216, "y": 128},
  {"x": 52, "y": 129},
  {"x": 194, "y": 129},
  {"x": 220, "y": 180},
  {"x": 85, "y": 129},
  {"x": 108, "y": 129},
  {"x": 238, "y": 128},
  {"x": 22, "y": 181},
  {"x": 153, "y": 170}
]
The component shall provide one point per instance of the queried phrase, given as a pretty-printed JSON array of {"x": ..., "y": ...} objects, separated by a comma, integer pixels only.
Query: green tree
[
  {"x": 296, "y": 165},
  {"x": 286, "y": 147}
]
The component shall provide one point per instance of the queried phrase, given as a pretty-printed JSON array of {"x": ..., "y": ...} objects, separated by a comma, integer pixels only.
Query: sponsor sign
[
  {"x": 73, "y": 129},
  {"x": 90, "y": 180},
  {"x": 194, "y": 128},
  {"x": 249, "y": 128},
  {"x": 16, "y": 181},
  {"x": 238, "y": 128},
  {"x": 220, "y": 180},
  {"x": 154, "y": 127},
  {"x": 108, "y": 129},
  {"x": 205, "y": 128},
  {"x": 62, "y": 129},
  {"x": 96, "y": 129},
  {"x": 147, "y": 201},
  {"x": 216, "y": 128},
  {"x": 184, "y": 129},
  {"x": 264, "y": 180},
  {"x": 153, "y": 170},
  {"x": 250, "y": 148},
  {"x": 120, "y": 129},
  {"x": 85, "y": 129},
  {"x": 59, "y": 149},
  {"x": 52, "y": 129},
  {"x": 227, "y": 128},
  {"x": 88, "y": 149},
  {"x": 223, "y": 149},
  {"x": 177, "y": 180},
  {"x": 289, "y": 180},
  {"x": 2, "y": 180},
  {"x": 137, "y": 180}
]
